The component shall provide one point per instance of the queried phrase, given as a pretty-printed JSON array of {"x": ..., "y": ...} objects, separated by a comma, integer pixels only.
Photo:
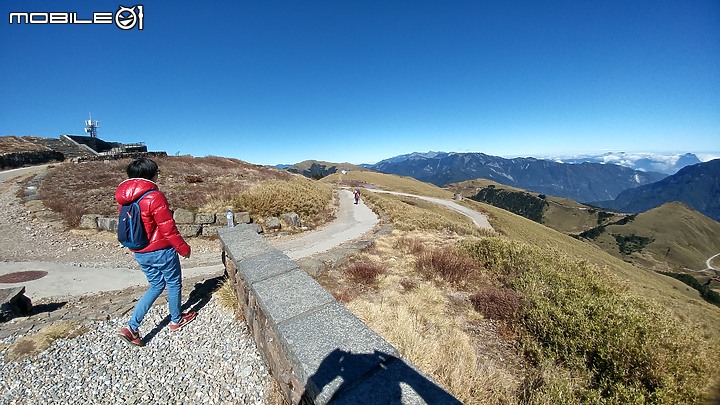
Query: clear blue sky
[{"x": 284, "y": 81}]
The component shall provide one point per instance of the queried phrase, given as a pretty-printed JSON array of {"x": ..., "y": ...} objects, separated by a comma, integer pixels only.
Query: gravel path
[{"x": 212, "y": 360}]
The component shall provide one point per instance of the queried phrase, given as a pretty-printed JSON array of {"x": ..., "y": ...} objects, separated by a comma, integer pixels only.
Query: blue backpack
[{"x": 131, "y": 231}]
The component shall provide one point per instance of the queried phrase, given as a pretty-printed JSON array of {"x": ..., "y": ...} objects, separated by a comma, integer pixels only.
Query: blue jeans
[{"x": 162, "y": 268}]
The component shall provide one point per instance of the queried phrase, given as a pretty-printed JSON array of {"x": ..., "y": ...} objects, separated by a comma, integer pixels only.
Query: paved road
[
  {"x": 351, "y": 223},
  {"x": 9, "y": 174},
  {"x": 479, "y": 219}
]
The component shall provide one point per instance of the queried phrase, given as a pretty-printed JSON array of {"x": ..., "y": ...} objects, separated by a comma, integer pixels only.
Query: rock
[
  {"x": 291, "y": 218},
  {"x": 242, "y": 218},
  {"x": 189, "y": 231},
  {"x": 209, "y": 231},
  {"x": 273, "y": 223},
  {"x": 108, "y": 223},
  {"x": 89, "y": 221},
  {"x": 183, "y": 216},
  {"x": 205, "y": 218}
]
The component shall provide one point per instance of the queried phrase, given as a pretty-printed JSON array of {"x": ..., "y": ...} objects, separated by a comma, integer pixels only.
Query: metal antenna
[{"x": 91, "y": 126}]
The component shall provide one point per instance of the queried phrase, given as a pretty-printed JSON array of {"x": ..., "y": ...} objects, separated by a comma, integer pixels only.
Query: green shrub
[
  {"x": 631, "y": 243},
  {"x": 517, "y": 202},
  {"x": 621, "y": 347}
]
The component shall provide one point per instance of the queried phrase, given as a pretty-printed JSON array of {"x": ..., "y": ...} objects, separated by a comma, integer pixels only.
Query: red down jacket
[{"x": 156, "y": 215}]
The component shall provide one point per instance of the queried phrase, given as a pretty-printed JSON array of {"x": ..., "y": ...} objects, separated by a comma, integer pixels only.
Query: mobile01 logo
[{"x": 125, "y": 18}]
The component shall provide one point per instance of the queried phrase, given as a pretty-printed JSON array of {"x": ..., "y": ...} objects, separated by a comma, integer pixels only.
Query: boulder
[
  {"x": 273, "y": 223},
  {"x": 108, "y": 223},
  {"x": 183, "y": 216},
  {"x": 291, "y": 218},
  {"x": 209, "y": 231},
  {"x": 89, "y": 221},
  {"x": 189, "y": 230},
  {"x": 204, "y": 218}
]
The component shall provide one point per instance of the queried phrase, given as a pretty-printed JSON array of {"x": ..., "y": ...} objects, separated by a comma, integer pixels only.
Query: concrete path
[
  {"x": 479, "y": 219},
  {"x": 352, "y": 222}
]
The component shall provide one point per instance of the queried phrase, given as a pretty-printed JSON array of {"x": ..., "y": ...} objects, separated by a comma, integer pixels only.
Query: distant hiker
[
  {"x": 159, "y": 259},
  {"x": 357, "y": 196}
]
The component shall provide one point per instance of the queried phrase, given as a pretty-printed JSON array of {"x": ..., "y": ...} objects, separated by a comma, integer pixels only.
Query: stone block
[
  {"x": 289, "y": 294},
  {"x": 242, "y": 242},
  {"x": 89, "y": 221},
  {"x": 183, "y": 216},
  {"x": 204, "y": 218},
  {"x": 319, "y": 342},
  {"x": 242, "y": 217},
  {"x": 188, "y": 230},
  {"x": 108, "y": 223},
  {"x": 396, "y": 379},
  {"x": 292, "y": 219},
  {"x": 265, "y": 265},
  {"x": 209, "y": 231},
  {"x": 273, "y": 223}
]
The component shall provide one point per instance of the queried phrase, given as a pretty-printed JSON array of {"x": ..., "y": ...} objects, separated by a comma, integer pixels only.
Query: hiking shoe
[
  {"x": 184, "y": 320},
  {"x": 130, "y": 336}
]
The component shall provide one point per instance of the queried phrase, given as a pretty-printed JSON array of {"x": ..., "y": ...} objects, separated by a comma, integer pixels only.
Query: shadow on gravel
[
  {"x": 198, "y": 298},
  {"x": 49, "y": 307}
]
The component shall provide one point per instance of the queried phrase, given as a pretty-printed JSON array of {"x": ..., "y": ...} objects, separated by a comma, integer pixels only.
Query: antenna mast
[{"x": 91, "y": 127}]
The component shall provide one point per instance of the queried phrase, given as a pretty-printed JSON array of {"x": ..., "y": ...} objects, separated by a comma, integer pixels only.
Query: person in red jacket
[{"x": 159, "y": 259}]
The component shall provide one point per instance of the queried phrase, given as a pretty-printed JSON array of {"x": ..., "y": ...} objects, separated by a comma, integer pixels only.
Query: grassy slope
[
  {"x": 386, "y": 182},
  {"x": 692, "y": 241},
  {"x": 672, "y": 294},
  {"x": 561, "y": 214},
  {"x": 669, "y": 292}
]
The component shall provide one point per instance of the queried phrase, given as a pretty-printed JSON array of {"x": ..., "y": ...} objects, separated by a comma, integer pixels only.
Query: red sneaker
[
  {"x": 130, "y": 336},
  {"x": 184, "y": 320}
]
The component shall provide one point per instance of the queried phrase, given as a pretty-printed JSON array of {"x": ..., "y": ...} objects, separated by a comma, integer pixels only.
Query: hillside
[
  {"x": 698, "y": 186},
  {"x": 316, "y": 169},
  {"x": 580, "y": 182},
  {"x": 561, "y": 214},
  {"x": 672, "y": 237}
]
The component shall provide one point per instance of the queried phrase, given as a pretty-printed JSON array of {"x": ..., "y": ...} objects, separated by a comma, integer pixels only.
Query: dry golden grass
[
  {"x": 386, "y": 182},
  {"x": 309, "y": 199},
  {"x": 409, "y": 214},
  {"x": 415, "y": 315},
  {"x": 16, "y": 144},
  {"x": 30, "y": 345},
  {"x": 226, "y": 296}
]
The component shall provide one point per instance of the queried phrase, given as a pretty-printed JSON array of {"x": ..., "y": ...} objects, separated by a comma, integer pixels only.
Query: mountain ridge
[{"x": 580, "y": 182}]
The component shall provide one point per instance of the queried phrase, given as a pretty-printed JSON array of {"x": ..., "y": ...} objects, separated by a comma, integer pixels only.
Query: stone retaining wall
[
  {"x": 189, "y": 225},
  {"x": 316, "y": 349}
]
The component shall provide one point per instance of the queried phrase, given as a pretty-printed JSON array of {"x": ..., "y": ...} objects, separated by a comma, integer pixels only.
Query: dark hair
[{"x": 142, "y": 168}]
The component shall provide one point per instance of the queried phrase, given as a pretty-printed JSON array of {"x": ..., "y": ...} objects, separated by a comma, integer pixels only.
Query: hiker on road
[
  {"x": 159, "y": 259},
  {"x": 357, "y": 196}
]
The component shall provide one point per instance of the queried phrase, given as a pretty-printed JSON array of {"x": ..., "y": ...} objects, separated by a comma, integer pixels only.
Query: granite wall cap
[
  {"x": 266, "y": 265},
  {"x": 314, "y": 339},
  {"x": 290, "y": 295},
  {"x": 242, "y": 241}
]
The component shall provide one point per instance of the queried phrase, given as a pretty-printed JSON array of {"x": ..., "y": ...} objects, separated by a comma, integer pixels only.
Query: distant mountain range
[
  {"x": 580, "y": 182},
  {"x": 647, "y": 162},
  {"x": 698, "y": 186}
]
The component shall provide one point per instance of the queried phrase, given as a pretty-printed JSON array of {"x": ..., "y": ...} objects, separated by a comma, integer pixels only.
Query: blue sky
[{"x": 280, "y": 82}]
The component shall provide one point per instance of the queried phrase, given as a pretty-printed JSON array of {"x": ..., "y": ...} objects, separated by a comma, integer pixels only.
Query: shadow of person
[
  {"x": 344, "y": 377},
  {"x": 197, "y": 299}
]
